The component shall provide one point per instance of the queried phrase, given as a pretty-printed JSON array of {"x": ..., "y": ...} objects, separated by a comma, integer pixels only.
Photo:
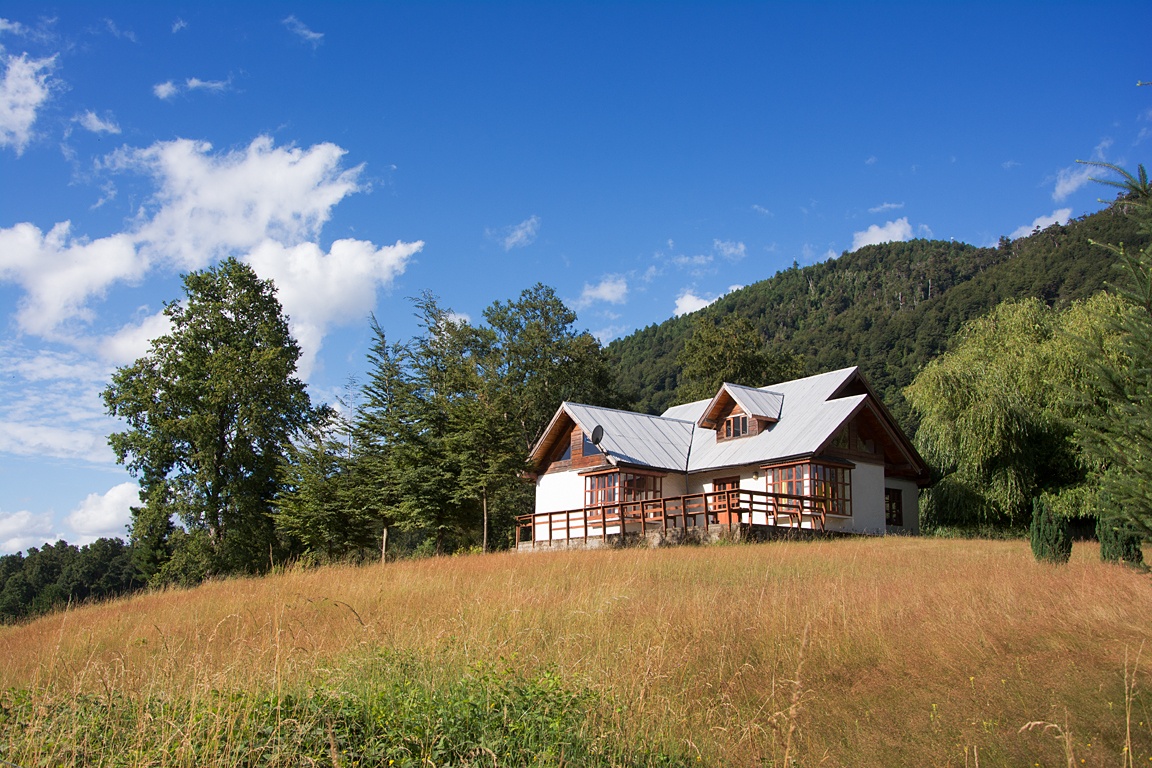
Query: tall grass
[{"x": 896, "y": 651}]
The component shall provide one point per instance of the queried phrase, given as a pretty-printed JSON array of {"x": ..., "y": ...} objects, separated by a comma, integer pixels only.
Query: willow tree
[
  {"x": 210, "y": 409},
  {"x": 999, "y": 412}
]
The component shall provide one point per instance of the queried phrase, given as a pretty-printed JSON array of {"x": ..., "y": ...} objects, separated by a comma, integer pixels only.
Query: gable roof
[
  {"x": 804, "y": 416},
  {"x": 760, "y": 403}
]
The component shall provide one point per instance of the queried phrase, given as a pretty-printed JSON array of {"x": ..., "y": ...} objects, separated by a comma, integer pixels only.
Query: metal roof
[{"x": 636, "y": 438}]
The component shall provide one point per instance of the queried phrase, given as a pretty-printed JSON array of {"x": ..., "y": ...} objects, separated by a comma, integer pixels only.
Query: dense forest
[{"x": 888, "y": 308}]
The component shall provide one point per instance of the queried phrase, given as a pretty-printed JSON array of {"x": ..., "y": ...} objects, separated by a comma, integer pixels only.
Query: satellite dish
[{"x": 597, "y": 435}]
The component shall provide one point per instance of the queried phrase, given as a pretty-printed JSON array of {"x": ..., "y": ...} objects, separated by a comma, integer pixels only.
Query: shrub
[
  {"x": 1050, "y": 540},
  {"x": 1118, "y": 542}
]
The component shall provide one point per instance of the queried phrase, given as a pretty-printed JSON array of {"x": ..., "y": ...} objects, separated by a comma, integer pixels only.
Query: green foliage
[
  {"x": 317, "y": 508},
  {"x": 1119, "y": 436},
  {"x": 53, "y": 576},
  {"x": 888, "y": 308},
  {"x": 731, "y": 350},
  {"x": 1049, "y": 534},
  {"x": 487, "y": 716},
  {"x": 1119, "y": 543},
  {"x": 443, "y": 433},
  {"x": 998, "y": 412},
  {"x": 210, "y": 410}
]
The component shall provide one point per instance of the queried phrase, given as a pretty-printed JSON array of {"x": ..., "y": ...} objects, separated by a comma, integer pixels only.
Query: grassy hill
[
  {"x": 888, "y": 308},
  {"x": 894, "y": 651}
]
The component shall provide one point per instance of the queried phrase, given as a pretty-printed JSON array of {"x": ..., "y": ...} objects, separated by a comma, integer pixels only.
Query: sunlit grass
[{"x": 918, "y": 651}]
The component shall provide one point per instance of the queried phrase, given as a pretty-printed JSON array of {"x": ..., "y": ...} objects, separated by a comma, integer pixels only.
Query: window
[
  {"x": 736, "y": 426},
  {"x": 590, "y": 448},
  {"x": 893, "y": 507},
  {"x": 829, "y": 485},
  {"x": 615, "y": 487}
]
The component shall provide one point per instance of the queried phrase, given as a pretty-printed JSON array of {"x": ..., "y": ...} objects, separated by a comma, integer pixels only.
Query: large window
[
  {"x": 828, "y": 485},
  {"x": 615, "y": 487},
  {"x": 893, "y": 507}
]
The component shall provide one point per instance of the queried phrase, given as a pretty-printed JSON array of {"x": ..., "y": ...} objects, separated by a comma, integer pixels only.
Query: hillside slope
[
  {"x": 888, "y": 308},
  {"x": 837, "y": 652}
]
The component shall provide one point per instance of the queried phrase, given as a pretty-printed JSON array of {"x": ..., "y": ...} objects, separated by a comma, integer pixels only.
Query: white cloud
[
  {"x": 699, "y": 260},
  {"x": 612, "y": 289},
  {"x": 871, "y": 160},
  {"x": 1072, "y": 178},
  {"x": 196, "y": 84},
  {"x": 763, "y": 211},
  {"x": 301, "y": 30},
  {"x": 115, "y": 31},
  {"x": 733, "y": 251},
  {"x": 520, "y": 235},
  {"x": 133, "y": 340},
  {"x": 1069, "y": 180},
  {"x": 165, "y": 90},
  {"x": 59, "y": 272},
  {"x": 96, "y": 124},
  {"x": 20, "y": 530},
  {"x": 212, "y": 205},
  {"x": 898, "y": 230},
  {"x": 688, "y": 302},
  {"x": 103, "y": 515},
  {"x": 1009, "y": 165},
  {"x": 1042, "y": 222},
  {"x": 14, "y": 27},
  {"x": 62, "y": 442},
  {"x": 886, "y": 207},
  {"x": 178, "y": 25},
  {"x": 23, "y": 90},
  {"x": 319, "y": 290}
]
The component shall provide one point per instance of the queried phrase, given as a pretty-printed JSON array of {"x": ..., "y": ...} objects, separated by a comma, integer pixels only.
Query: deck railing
[{"x": 733, "y": 508}]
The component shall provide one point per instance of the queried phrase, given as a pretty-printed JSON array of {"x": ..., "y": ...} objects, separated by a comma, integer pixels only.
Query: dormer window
[{"x": 736, "y": 426}]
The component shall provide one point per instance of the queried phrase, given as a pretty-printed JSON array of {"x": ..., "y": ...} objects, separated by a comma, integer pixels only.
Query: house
[{"x": 819, "y": 453}]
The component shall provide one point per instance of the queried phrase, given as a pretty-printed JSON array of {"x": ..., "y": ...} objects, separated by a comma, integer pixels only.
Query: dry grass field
[{"x": 894, "y": 651}]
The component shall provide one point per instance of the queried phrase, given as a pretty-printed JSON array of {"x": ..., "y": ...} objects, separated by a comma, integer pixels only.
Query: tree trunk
[
  {"x": 384, "y": 545},
  {"x": 484, "y": 502}
]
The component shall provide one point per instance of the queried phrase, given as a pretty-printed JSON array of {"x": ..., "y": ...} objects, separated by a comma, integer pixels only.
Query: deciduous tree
[{"x": 210, "y": 410}]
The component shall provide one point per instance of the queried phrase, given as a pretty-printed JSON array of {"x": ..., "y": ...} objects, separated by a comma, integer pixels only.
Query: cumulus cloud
[
  {"x": 891, "y": 231},
  {"x": 265, "y": 202},
  {"x": 1060, "y": 216},
  {"x": 301, "y": 30},
  {"x": 319, "y": 290},
  {"x": 165, "y": 90},
  {"x": 133, "y": 340},
  {"x": 886, "y": 207},
  {"x": 519, "y": 235},
  {"x": 196, "y": 84},
  {"x": 93, "y": 122},
  {"x": 23, "y": 529},
  {"x": 212, "y": 205},
  {"x": 23, "y": 90},
  {"x": 60, "y": 272},
  {"x": 688, "y": 302},
  {"x": 103, "y": 515},
  {"x": 612, "y": 289},
  {"x": 763, "y": 211},
  {"x": 14, "y": 27}
]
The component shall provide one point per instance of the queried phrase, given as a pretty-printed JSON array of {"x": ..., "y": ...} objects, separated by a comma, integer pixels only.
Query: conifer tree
[{"x": 1049, "y": 533}]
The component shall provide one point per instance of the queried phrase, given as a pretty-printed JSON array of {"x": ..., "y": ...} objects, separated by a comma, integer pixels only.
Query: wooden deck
[{"x": 734, "y": 510}]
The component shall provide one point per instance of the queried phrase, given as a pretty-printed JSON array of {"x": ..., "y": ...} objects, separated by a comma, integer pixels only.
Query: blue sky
[{"x": 641, "y": 158}]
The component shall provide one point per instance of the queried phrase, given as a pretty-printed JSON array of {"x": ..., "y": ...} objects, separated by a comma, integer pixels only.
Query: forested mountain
[{"x": 888, "y": 308}]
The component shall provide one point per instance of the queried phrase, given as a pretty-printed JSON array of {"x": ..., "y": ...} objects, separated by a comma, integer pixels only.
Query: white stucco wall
[
  {"x": 911, "y": 495},
  {"x": 867, "y": 502},
  {"x": 559, "y": 491}
]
